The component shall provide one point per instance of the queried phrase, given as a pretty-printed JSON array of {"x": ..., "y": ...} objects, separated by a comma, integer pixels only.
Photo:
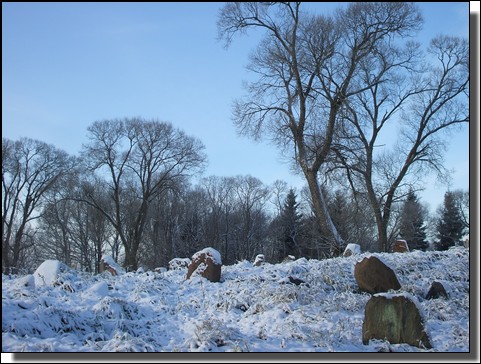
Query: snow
[
  {"x": 97, "y": 290},
  {"x": 26, "y": 281},
  {"x": 250, "y": 310},
  {"x": 179, "y": 263},
  {"x": 209, "y": 252}
]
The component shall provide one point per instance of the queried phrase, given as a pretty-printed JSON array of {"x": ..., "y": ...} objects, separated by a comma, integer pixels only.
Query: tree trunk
[
  {"x": 382, "y": 236},
  {"x": 130, "y": 263},
  {"x": 381, "y": 220},
  {"x": 6, "y": 256},
  {"x": 321, "y": 211},
  {"x": 7, "y": 236},
  {"x": 17, "y": 245}
]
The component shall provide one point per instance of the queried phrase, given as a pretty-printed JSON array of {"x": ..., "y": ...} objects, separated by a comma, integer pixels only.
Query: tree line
[
  {"x": 130, "y": 194},
  {"x": 355, "y": 103}
]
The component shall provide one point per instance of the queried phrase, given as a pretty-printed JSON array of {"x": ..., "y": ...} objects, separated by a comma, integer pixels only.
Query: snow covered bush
[{"x": 179, "y": 263}]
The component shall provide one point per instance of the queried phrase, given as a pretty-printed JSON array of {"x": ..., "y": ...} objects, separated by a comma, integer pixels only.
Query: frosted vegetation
[{"x": 252, "y": 309}]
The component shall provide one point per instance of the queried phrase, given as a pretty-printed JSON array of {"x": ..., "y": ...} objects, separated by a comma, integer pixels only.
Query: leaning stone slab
[
  {"x": 207, "y": 263},
  {"x": 395, "y": 318},
  {"x": 373, "y": 276},
  {"x": 352, "y": 249},
  {"x": 436, "y": 291},
  {"x": 400, "y": 246}
]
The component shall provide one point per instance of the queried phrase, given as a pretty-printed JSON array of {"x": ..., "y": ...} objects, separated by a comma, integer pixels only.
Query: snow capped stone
[
  {"x": 107, "y": 259},
  {"x": 47, "y": 273},
  {"x": 206, "y": 263},
  {"x": 352, "y": 249},
  {"x": 259, "y": 259},
  {"x": 210, "y": 252}
]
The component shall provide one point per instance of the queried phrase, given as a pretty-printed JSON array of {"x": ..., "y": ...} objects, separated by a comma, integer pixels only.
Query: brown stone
[
  {"x": 437, "y": 290},
  {"x": 396, "y": 319},
  {"x": 373, "y": 276},
  {"x": 400, "y": 246},
  {"x": 107, "y": 263},
  {"x": 297, "y": 281},
  {"x": 206, "y": 266}
]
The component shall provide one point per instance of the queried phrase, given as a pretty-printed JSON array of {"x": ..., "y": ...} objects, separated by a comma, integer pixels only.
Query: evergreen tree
[
  {"x": 412, "y": 228},
  {"x": 340, "y": 211},
  {"x": 450, "y": 224},
  {"x": 291, "y": 221}
]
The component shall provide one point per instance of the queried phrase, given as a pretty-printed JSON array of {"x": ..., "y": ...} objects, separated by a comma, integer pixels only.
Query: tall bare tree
[
  {"x": 307, "y": 66},
  {"x": 423, "y": 104},
  {"x": 30, "y": 170},
  {"x": 138, "y": 160}
]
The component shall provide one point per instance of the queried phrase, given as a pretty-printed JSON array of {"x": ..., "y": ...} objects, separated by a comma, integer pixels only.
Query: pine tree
[
  {"x": 450, "y": 224},
  {"x": 291, "y": 221},
  {"x": 412, "y": 227},
  {"x": 339, "y": 208}
]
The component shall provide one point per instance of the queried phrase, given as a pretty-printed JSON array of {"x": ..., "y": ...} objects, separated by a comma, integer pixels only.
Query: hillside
[{"x": 252, "y": 309}]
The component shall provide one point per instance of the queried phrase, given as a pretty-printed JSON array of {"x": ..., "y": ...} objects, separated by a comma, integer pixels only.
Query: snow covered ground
[{"x": 252, "y": 309}]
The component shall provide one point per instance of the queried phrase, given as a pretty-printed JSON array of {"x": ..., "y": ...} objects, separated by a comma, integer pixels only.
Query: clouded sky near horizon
[{"x": 66, "y": 65}]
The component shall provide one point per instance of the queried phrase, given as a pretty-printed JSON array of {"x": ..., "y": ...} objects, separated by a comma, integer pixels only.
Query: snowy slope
[{"x": 252, "y": 309}]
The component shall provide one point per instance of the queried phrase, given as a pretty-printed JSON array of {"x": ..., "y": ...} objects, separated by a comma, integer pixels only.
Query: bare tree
[
  {"x": 220, "y": 196},
  {"x": 279, "y": 190},
  {"x": 306, "y": 67},
  {"x": 30, "y": 170},
  {"x": 251, "y": 195},
  {"x": 139, "y": 160},
  {"x": 162, "y": 235},
  {"x": 55, "y": 238},
  {"x": 423, "y": 104}
]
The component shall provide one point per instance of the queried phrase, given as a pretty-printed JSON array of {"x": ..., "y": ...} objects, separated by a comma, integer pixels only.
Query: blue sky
[{"x": 66, "y": 65}]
